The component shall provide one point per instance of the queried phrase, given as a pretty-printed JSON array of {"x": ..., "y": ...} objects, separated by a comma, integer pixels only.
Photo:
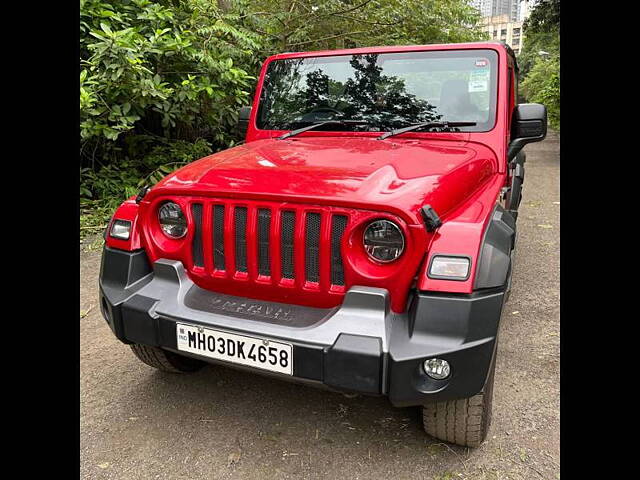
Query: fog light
[{"x": 437, "y": 368}]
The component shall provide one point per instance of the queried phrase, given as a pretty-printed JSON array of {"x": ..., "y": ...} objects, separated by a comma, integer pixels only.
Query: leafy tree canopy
[
  {"x": 544, "y": 18},
  {"x": 161, "y": 81},
  {"x": 540, "y": 59}
]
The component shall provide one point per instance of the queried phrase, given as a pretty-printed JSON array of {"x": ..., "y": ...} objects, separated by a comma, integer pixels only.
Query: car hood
[{"x": 398, "y": 176}]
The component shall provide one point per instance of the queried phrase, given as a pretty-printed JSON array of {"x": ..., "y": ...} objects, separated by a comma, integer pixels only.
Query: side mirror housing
[
  {"x": 243, "y": 121},
  {"x": 529, "y": 125}
]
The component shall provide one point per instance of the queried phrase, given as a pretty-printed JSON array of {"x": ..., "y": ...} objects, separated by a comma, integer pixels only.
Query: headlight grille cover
[
  {"x": 383, "y": 241},
  {"x": 172, "y": 220}
]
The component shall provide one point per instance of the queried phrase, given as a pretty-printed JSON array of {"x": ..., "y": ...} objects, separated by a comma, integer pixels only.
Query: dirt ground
[{"x": 219, "y": 423}]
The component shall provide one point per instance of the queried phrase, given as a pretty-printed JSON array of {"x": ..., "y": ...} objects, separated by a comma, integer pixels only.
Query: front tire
[
  {"x": 464, "y": 421},
  {"x": 164, "y": 360}
]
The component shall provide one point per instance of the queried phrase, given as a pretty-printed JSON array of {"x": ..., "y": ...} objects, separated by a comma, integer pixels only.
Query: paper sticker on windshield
[{"x": 479, "y": 80}]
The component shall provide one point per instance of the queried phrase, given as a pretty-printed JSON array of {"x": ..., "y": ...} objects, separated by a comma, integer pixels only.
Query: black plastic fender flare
[
  {"x": 515, "y": 191},
  {"x": 494, "y": 263}
]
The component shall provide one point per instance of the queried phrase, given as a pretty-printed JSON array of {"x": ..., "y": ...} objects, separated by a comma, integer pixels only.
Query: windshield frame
[{"x": 493, "y": 54}]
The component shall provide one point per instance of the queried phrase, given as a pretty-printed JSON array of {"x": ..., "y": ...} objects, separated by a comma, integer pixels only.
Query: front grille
[
  {"x": 338, "y": 225},
  {"x": 198, "y": 254},
  {"x": 264, "y": 231},
  {"x": 286, "y": 244},
  {"x": 273, "y": 244},
  {"x": 312, "y": 247},
  {"x": 241, "y": 239},
  {"x": 218, "y": 237}
]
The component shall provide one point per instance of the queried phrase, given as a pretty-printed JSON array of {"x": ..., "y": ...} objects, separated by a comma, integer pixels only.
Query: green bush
[
  {"x": 103, "y": 190},
  {"x": 112, "y": 184},
  {"x": 542, "y": 85},
  {"x": 142, "y": 65},
  {"x": 161, "y": 81},
  {"x": 540, "y": 73}
]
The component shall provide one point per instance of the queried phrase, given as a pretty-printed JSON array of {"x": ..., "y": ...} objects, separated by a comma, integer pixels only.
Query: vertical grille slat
[
  {"x": 218, "y": 237},
  {"x": 312, "y": 247},
  {"x": 197, "y": 251},
  {"x": 338, "y": 225},
  {"x": 241, "y": 238},
  {"x": 292, "y": 246},
  {"x": 264, "y": 229},
  {"x": 286, "y": 243}
]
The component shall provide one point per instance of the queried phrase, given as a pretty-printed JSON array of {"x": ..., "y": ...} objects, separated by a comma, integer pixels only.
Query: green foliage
[
  {"x": 112, "y": 184},
  {"x": 141, "y": 62},
  {"x": 544, "y": 18},
  {"x": 542, "y": 85},
  {"x": 161, "y": 81},
  {"x": 540, "y": 73},
  {"x": 103, "y": 190},
  {"x": 533, "y": 44},
  {"x": 329, "y": 24}
]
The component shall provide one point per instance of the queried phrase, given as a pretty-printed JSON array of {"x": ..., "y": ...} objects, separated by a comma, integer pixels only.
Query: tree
[
  {"x": 544, "y": 18},
  {"x": 542, "y": 85},
  {"x": 540, "y": 72},
  {"x": 295, "y": 25},
  {"x": 542, "y": 33},
  {"x": 150, "y": 66},
  {"x": 161, "y": 81}
]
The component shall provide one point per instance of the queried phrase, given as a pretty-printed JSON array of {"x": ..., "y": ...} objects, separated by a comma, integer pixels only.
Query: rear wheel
[
  {"x": 164, "y": 360},
  {"x": 465, "y": 421}
]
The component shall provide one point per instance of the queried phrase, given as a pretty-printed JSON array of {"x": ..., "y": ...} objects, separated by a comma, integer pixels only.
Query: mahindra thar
[{"x": 360, "y": 239}]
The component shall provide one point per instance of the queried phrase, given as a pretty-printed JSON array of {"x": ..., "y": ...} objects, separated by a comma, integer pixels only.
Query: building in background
[
  {"x": 517, "y": 10},
  {"x": 524, "y": 9},
  {"x": 500, "y": 27},
  {"x": 493, "y": 8}
]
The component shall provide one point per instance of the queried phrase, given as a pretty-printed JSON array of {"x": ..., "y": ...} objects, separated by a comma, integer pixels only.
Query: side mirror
[
  {"x": 243, "y": 121},
  {"x": 529, "y": 125}
]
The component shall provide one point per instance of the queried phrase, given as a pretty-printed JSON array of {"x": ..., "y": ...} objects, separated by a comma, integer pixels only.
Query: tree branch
[
  {"x": 352, "y": 8},
  {"x": 368, "y": 22},
  {"x": 331, "y": 37}
]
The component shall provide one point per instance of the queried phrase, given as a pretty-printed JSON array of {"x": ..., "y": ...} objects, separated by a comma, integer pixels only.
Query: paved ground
[{"x": 136, "y": 423}]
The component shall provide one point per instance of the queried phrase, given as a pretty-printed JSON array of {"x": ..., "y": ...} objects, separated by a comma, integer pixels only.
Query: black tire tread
[
  {"x": 462, "y": 422},
  {"x": 165, "y": 361}
]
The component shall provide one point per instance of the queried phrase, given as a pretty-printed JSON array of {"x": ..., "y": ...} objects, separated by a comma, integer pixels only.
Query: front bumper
[{"x": 361, "y": 346}]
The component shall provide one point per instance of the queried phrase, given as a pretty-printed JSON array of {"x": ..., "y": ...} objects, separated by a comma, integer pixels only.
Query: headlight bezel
[
  {"x": 437, "y": 256},
  {"x": 162, "y": 226},
  {"x": 370, "y": 254}
]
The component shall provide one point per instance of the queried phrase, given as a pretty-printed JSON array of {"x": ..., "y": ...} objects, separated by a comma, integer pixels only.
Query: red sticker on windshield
[{"x": 482, "y": 63}]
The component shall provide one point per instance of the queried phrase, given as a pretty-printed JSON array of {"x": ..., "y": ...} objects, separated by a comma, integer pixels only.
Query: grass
[{"x": 93, "y": 222}]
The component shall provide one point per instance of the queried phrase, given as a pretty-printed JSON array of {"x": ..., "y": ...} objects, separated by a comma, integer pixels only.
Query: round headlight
[
  {"x": 383, "y": 241},
  {"x": 172, "y": 220}
]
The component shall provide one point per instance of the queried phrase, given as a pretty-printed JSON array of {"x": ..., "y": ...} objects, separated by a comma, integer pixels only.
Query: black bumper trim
[
  {"x": 122, "y": 274},
  {"x": 360, "y": 347},
  {"x": 354, "y": 363}
]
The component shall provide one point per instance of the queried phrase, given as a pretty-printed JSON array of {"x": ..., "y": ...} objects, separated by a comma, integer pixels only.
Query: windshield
[{"x": 384, "y": 90}]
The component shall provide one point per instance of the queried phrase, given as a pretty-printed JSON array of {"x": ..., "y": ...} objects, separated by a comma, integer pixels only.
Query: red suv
[{"x": 360, "y": 239}]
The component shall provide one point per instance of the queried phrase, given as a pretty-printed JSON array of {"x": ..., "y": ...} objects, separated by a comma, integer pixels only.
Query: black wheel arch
[{"x": 494, "y": 262}]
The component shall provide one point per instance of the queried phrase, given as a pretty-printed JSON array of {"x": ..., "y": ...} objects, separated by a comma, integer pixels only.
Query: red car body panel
[
  {"x": 399, "y": 177},
  {"x": 459, "y": 174}
]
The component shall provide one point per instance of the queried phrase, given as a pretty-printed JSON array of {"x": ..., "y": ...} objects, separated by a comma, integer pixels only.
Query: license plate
[{"x": 250, "y": 351}]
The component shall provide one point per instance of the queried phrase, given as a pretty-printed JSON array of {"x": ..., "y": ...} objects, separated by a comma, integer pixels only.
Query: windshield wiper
[
  {"x": 444, "y": 125},
  {"x": 317, "y": 124}
]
